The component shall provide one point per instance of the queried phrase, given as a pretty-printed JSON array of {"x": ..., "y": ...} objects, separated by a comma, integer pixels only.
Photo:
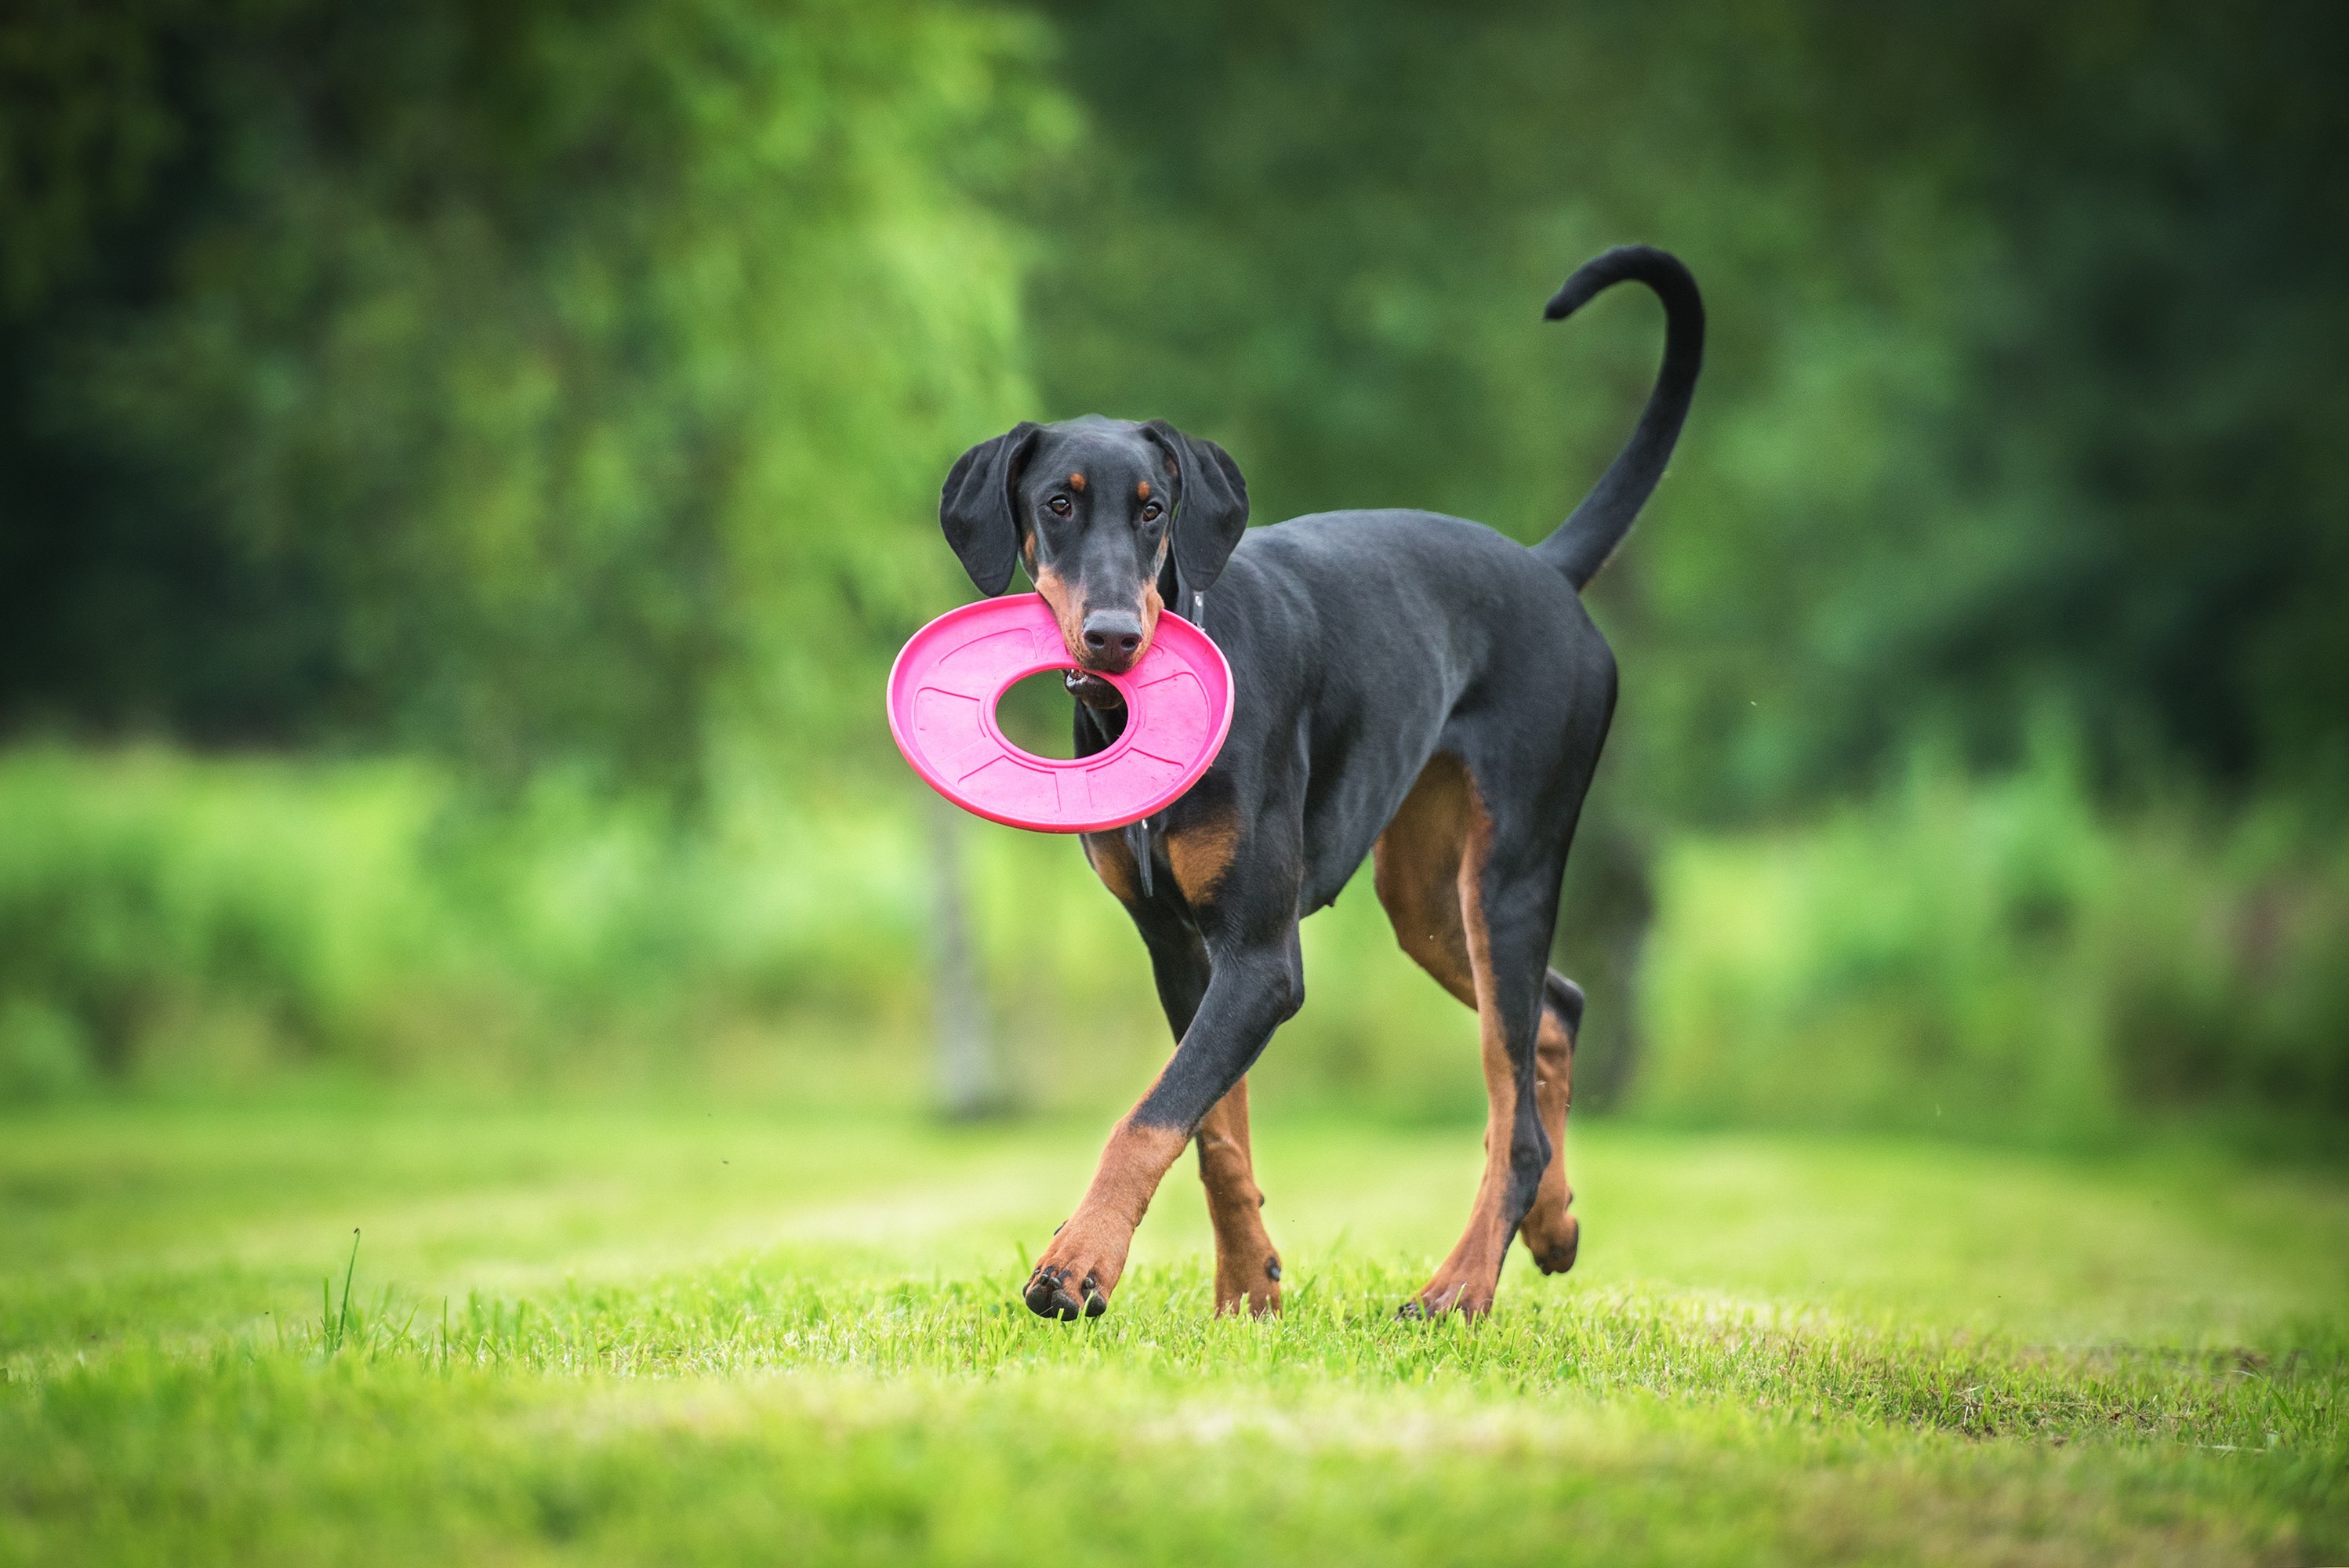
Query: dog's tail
[{"x": 1584, "y": 541}]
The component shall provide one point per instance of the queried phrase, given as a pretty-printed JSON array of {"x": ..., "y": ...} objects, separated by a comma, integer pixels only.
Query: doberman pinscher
[{"x": 1411, "y": 687}]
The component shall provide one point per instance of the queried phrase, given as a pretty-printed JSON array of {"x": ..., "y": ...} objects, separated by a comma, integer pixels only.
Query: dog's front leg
[{"x": 1252, "y": 989}]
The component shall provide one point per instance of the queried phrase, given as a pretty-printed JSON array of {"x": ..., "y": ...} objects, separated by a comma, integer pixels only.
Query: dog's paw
[
  {"x": 1248, "y": 1283},
  {"x": 1080, "y": 1269},
  {"x": 1050, "y": 1294},
  {"x": 1555, "y": 1245},
  {"x": 1440, "y": 1298}
]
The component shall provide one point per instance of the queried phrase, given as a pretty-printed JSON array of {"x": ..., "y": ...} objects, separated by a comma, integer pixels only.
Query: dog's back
[{"x": 1366, "y": 642}]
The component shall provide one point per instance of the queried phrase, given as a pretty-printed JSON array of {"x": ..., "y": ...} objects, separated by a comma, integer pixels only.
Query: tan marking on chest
[
  {"x": 1114, "y": 863},
  {"x": 1202, "y": 855}
]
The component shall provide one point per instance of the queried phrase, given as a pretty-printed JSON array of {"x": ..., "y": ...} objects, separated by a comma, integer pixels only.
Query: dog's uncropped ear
[
  {"x": 1211, "y": 505},
  {"x": 975, "y": 507}
]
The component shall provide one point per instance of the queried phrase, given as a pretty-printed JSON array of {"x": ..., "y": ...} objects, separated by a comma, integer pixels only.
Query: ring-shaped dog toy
[{"x": 948, "y": 680}]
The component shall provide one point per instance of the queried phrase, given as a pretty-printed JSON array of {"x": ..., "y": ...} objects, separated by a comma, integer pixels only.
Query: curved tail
[{"x": 1584, "y": 541}]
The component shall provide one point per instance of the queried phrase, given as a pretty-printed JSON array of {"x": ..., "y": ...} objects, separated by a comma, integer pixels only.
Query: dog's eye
[
  {"x": 1150, "y": 513},
  {"x": 1059, "y": 505}
]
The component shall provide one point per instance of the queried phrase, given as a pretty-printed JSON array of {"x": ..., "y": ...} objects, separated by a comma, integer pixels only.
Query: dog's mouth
[{"x": 1093, "y": 691}]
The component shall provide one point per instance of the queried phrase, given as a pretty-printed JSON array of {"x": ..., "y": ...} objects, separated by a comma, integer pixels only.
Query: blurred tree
[
  {"x": 543, "y": 383},
  {"x": 2026, "y": 355},
  {"x": 547, "y": 382},
  {"x": 2100, "y": 476}
]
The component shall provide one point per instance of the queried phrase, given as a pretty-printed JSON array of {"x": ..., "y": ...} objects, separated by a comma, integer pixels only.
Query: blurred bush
[
  {"x": 1996, "y": 959},
  {"x": 164, "y": 916},
  {"x": 151, "y": 893},
  {"x": 2000, "y": 958},
  {"x": 175, "y": 918}
]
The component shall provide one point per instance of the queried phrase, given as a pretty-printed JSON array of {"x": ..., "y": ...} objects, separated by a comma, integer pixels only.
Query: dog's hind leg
[
  {"x": 1551, "y": 1232},
  {"x": 1247, "y": 1269},
  {"x": 1485, "y": 937}
]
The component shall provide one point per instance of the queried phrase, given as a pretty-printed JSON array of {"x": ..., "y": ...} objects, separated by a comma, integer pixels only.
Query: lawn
[{"x": 684, "y": 1333}]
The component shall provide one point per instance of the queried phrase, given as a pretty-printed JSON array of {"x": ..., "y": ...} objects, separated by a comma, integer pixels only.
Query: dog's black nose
[{"x": 1114, "y": 636}]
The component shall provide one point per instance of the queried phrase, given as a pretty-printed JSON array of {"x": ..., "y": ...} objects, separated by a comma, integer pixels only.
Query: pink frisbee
[{"x": 948, "y": 678}]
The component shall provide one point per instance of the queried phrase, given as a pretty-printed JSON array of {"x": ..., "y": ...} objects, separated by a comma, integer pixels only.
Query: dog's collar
[
  {"x": 1142, "y": 837},
  {"x": 1140, "y": 842}
]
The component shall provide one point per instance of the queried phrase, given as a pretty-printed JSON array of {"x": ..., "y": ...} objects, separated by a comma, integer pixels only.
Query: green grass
[{"x": 669, "y": 1334}]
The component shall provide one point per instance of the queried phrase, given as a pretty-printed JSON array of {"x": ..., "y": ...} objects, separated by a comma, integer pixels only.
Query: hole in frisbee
[{"x": 1037, "y": 715}]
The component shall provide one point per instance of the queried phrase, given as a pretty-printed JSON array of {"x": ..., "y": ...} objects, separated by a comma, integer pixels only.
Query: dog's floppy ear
[
  {"x": 975, "y": 507},
  {"x": 1211, "y": 508}
]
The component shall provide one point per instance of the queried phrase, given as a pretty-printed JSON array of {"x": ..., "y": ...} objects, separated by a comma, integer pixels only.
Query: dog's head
[{"x": 1107, "y": 515}]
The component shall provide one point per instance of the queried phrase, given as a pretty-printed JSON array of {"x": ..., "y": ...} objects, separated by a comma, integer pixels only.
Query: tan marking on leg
[
  {"x": 1085, "y": 1259},
  {"x": 1417, "y": 874},
  {"x": 1430, "y": 875},
  {"x": 1247, "y": 1269},
  {"x": 1055, "y": 591},
  {"x": 1114, "y": 863},
  {"x": 1553, "y": 1235},
  {"x": 1423, "y": 880},
  {"x": 1468, "y": 1278},
  {"x": 1201, "y": 855}
]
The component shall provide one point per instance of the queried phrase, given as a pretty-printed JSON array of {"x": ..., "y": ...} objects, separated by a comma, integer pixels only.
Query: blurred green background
[{"x": 464, "y": 471}]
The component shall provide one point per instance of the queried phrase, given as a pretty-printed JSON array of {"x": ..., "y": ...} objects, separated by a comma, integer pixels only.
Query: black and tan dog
[{"x": 1409, "y": 685}]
